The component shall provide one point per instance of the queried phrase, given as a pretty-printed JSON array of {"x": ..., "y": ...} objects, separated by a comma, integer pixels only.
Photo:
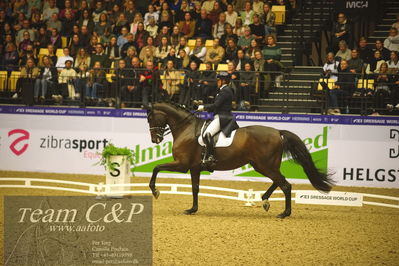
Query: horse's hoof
[
  {"x": 156, "y": 193},
  {"x": 190, "y": 211},
  {"x": 266, "y": 205},
  {"x": 283, "y": 215}
]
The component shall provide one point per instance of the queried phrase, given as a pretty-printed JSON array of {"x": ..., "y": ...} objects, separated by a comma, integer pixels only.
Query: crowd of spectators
[
  {"x": 65, "y": 49},
  {"x": 347, "y": 63}
]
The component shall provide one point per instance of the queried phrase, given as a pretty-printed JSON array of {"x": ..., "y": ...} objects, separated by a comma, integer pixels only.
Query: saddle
[{"x": 219, "y": 139}]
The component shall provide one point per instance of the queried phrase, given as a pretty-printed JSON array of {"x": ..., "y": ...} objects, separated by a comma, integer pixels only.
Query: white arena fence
[{"x": 106, "y": 190}]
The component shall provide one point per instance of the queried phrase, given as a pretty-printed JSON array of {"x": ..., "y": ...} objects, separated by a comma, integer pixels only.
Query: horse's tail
[{"x": 293, "y": 145}]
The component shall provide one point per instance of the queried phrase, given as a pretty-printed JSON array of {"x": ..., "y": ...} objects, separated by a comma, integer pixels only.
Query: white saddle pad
[{"x": 222, "y": 141}]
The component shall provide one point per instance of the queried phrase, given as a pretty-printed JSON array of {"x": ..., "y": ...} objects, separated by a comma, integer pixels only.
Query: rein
[{"x": 166, "y": 131}]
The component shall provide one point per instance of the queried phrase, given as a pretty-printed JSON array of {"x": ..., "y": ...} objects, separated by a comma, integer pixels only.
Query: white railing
[{"x": 248, "y": 196}]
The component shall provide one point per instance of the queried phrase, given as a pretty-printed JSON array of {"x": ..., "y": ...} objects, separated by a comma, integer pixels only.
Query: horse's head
[{"x": 157, "y": 121}]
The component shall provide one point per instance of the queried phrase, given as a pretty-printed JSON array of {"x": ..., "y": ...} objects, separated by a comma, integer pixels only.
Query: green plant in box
[{"x": 111, "y": 150}]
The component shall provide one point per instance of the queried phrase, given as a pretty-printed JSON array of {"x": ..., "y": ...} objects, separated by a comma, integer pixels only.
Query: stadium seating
[
  {"x": 3, "y": 80},
  {"x": 12, "y": 81}
]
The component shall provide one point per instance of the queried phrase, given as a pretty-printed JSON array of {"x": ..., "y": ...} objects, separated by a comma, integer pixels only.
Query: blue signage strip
[{"x": 261, "y": 117}]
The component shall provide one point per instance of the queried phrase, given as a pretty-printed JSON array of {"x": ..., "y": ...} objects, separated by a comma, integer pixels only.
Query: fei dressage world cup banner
[{"x": 362, "y": 151}]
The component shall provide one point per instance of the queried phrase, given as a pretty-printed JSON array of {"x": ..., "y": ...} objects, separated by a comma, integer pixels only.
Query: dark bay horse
[{"x": 260, "y": 146}]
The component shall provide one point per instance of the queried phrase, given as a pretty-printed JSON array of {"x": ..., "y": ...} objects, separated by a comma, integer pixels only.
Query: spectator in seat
[
  {"x": 185, "y": 59},
  {"x": 86, "y": 20},
  {"x": 228, "y": 33},
  {"x": 235, "y": 81},
  {"x": 393, "y": 102},
  {"x": 112, "y": 50},
  {"x": 219, "y": 27},
  {"x": 330, "y": 68},
  {"x": 137, "y": 19},
  {"x": 75, "y": 45},
  {"x": 103, "y": 25},
  {"x": 26, "y": 27},
  {"x": 171, "y": 79},
  {"x": 344, "y": 86},
  {"x": 98, "y": 11},
  {"x": 166, "y": 20},
  {"x": 42, "y": 39},
  {"x": 82, "y": 58},
  {"x": 26, "y": 82},
  {"x": 382, "y": 83},
  {"x": 179, "y": 15},
  {"x": 213, "y": 15},
  {"x": 95, "y": 82},
  {"x": 215, "y": 54},
  {"x": 375, "y": 64},
  {"x": 208, "y": 84},
  {"x": 150, "y": 84},
  {"x": 208, "y": 5},
  {"x": 62, "y": 60},
  {"x": 355, "y": 64},
  {"x": 392, "y": 42},
  {"x": 245, "y": 41},
  {"x": 152, "y": 28},
  {"x": 183, "y": 45},
  {"x": 343, "y": 53},
  {"x": 128, "y": 82},
  {"x": 36, "y": 21},
  {"x": 10, "y": 58},
  {"x": 55, "y": 39},
  {"x": 54, "y": 23},
  {"x": 393, "y": 63},
  {"x": 68, "y": 7},
  {"x": 239, "y": 28},
  {"x": 231, "y": 15},
  {"x": 67, "y": 26},
  {"x": 50, "y": 10},
  {"x": 196, "y": 12},
  {"x": 231, "y": 51},
  {"x": 147, "y": 55},
  {"x": 150, "y": 46},
  {"x": 163, "y": 33},
  {"x": 163, "y": 49},
  {"x": 26, "y": 41},
  {"x": 241, "y": 60},
  {"x": 365, "y": 53},
  {"x": 247, "y": 14},
  {"x": 122, "y": 38},
  {"x": 187, "y": 26},
  {"x": 272, "y": 54},
  {"x": 177, "y": 62},
  {"x": 52, "y": 53},
  {"x": 383, "y": 51},
  {"x": 341, "y": 31},
  {"x": 199, "y": 51},
  {"x": 130, "y": 43},
  {"x": 141, "y": 37},
  {"x": 257, "y": 29},
  {"x": 47, "y": 79},
  {"x": 204, "y": 25},
  {"x": 257, "y": 7},
  {"x": 130, "y": 11},
  {"x": 81, "y": 81},
  {"x": 84, "y": 37},
  {"x": 151, "y": 14},
  {"x": 250, "y": 52},
  {"x": 120, "y": 23},
  {"x": 66, "y": 86},
  {"x": 100, "y": 57},
  {"x": 192, "y": 87},
  {"x": 247, "y": 85},
  {"x": 175, "y": 36},
  {"x": 92, "y": 46}
]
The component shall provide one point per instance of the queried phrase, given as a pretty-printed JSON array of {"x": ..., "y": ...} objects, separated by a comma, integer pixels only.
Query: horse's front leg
[
  {"x": 195, "y": 181},
  {"x": 174, "y": 166}
]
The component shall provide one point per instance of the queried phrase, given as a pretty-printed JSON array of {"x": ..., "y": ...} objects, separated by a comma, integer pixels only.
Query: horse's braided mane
[{"x": 178, "y": 106}]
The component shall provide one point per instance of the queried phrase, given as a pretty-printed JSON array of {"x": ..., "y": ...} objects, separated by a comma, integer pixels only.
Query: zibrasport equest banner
[{"x": 362, "y": 151}]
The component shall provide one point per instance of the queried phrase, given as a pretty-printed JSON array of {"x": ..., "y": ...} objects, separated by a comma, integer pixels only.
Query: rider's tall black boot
[{"x": 209, "y": 162}]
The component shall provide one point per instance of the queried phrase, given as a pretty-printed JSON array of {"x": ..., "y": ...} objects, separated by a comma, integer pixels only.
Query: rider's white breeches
[{"x": 214, "y": 126}]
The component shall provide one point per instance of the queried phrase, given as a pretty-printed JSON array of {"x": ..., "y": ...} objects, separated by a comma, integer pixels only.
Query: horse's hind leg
[
  {"x": 266, "y": 196},
  {"x": 278, "y": 181}
]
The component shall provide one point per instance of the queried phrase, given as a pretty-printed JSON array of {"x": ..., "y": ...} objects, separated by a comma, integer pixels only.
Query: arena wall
[{"x": 362, "y": 151}]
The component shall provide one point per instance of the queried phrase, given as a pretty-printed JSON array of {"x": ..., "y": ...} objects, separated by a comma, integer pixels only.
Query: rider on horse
[{"x": 223, "y": 118}]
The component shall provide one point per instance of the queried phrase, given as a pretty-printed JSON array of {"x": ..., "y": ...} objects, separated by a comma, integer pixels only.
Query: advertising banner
[{"x": 360, "y": 151}]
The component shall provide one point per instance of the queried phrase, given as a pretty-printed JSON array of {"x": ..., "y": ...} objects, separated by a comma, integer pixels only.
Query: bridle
[{"x": 164, "y": 131}]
